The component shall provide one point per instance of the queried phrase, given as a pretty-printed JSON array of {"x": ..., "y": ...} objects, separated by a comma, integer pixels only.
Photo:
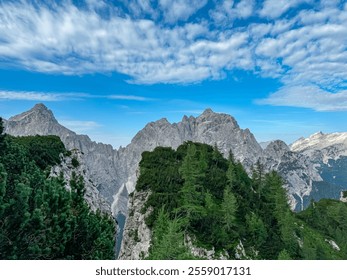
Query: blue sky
[{"x": 106, "y": 68}]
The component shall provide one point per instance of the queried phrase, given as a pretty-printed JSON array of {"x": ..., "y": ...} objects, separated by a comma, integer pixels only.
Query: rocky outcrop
[
  {"x": 328, "y": 154},
  {"x": 75, "y": 163},
  {"x": 136, "y": 236},
  {"x": 203, "y": 253},
  {"x": 297, "y": 170},
  {"x": 100, "y": 161},
  {"x": 322, "y": 147},
  {"x": 209, "y": 128}
]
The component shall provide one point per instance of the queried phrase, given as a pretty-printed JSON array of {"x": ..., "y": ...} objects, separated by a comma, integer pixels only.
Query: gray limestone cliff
[
  {"x": 99, "y": 160},
  {"x": 209, "y": 128},
  {"x": 297, "y": 170},
  {"x": 75, "y": 163},
  {"x": 328, "y": 153},
  {"x": 137, "y": 236}
]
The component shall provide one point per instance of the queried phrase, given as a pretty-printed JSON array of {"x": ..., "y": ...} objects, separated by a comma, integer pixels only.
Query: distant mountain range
[{"x": 312, "y": 168}]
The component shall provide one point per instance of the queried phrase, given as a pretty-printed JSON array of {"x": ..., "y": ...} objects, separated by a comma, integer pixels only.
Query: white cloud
[
  {"x": 96, "y": 4},
  {"x": 313, "y": 53},
  {"x": 128, "y": 97},
  {"x": 244, "y": 8},
  {"x": 139, "y": 8},
  {"x": 311, "y": 97},
  {"x": 54, "y": 96},
  {"x": 275, "y": 8},
  {"x": 38, "y": 96},
  {"x": 175, "y": 10},
  {"x": 227, "y": 11}
]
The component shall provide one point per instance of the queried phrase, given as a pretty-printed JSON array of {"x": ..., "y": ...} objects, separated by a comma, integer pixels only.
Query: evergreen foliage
[
  {"x": 196, "y": 192},
  {"x": 168, "y": 239},
  {"x": 39, "y": 217},
  {"x": 44, "y": 150}
]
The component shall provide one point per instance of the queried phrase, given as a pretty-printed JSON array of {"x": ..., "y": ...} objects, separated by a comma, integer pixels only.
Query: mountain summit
[{"x": 38, "y": 120}]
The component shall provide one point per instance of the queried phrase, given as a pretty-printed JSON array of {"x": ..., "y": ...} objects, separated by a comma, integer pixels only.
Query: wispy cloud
[
  {"x": 275, "y": 8},
  {"x": 228, "y": 11},
  {"x": 54, "y": 96},
  {"x": 175, "y": 10},
  {"x": 39, "y": 96},
  {"x": 311, "y": 97},
  {"x": 128, "y": 97}
]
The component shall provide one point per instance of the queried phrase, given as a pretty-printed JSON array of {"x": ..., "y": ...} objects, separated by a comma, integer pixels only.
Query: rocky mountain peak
[
  {"x": 38, "y": 120},
  {"x": 40, "y": 107},
  {"x": 317, "y": 134},
  {"x": 276, "y": 149},
  {"x": 278, "y": 145},
  {"x": 162, "y": 121},
  {"x": 207, "y": 112},
  {"x": 38, "y": 113},
  {"x": 210, "y": 117},
  {"x": 320, "y": 140}
]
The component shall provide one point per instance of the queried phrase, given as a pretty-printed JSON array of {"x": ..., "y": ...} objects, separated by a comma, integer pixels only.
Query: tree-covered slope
[
  {"x": 39, "y": 217},
  {"x": 197, "y": 196}
]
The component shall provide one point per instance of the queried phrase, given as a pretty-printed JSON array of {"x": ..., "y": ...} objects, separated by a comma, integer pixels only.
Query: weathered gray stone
[{"x": 136, "y": 235}]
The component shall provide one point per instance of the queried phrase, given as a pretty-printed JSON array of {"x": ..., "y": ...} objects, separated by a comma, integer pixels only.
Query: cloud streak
[
  {"x": 128, "y": 97},
  {"x": 54, "y": 97},
  {"x": 311, "y": 97},
  {"x": 39, "y": 96}
]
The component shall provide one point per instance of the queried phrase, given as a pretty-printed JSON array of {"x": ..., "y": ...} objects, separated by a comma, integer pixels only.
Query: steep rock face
[
  {"x": 209, "y": 128},
  {"x": 328, "y": 153},
  {"x": 67, "y": 167},
  {"x": 100, "y": 160},
  {"x": 137, "y": 236},
  {"x": 297, "y": 170},
  {"x": 322, "y": 147}
]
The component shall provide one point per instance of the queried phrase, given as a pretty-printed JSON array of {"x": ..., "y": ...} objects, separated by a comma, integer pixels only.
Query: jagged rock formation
[
  {"x": 99, "y": 160},
  {"x": 137, "y": 235},
  {"x": 114, "y": 172},
  {"x": 297, "y": 169},
  {"x": 328, "y": 154},
  {"x": 322, "y": 147},
  {"x": 75, "y": 163},
  {"x": 210, "y": 128}
]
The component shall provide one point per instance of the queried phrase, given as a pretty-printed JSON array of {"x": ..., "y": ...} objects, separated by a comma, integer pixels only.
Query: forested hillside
[
  {"x": 196, "y": 194},
  {"x": 39, "y": 217}
]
